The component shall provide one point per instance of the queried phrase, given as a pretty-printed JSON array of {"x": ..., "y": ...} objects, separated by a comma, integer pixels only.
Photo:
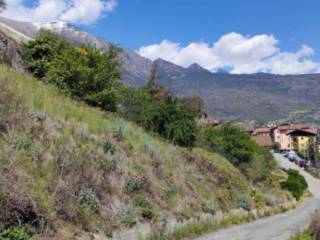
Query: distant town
[{"x": 301, "y": 139}]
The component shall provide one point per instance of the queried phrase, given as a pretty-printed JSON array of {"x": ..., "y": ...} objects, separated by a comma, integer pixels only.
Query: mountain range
[{"x": 261, "y": 97}]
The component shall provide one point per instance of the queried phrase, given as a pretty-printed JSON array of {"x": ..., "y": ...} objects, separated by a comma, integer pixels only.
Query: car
[
  {"x": 292, "y": 158},
  {"x": 286, "y": 155}
]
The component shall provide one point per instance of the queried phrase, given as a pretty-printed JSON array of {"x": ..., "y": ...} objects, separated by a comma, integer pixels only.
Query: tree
[
  {"x": 194, "y": 103},
  {"x": 85, "y": 73},
  {"x": 230, "y": 141},
  {"x": 295, "y": 183},
  {"x": 39, "y": 54},
  {"x": 176, "y": 123},
  {"x": 88, "y": 74}
]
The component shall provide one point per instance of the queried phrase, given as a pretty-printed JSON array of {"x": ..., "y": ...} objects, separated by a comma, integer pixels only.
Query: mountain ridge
[{"x": 261, "y": 96}]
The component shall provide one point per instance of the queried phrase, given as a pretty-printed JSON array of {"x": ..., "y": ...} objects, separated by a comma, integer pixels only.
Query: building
[
  {"x": 284, "y": 134},
  {"x": 263, "y": 136},
  {"x": 301, "y": 139}
]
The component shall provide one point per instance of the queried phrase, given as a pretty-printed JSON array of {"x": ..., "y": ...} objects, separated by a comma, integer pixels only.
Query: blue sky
[
  {"x": 140, "y": 22},
  {"x": 280, "y": 36}
]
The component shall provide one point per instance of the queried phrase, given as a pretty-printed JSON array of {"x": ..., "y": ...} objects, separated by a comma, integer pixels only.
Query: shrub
[
  {"x": 230, "y": 141},
  {"x": 271, "y": 200},
  {"x": 85, "y": 73},
  {"x": 209, "y": 208},
  {"x": 88, "y": 199},
  {"x": 295, "y": 183},
  {"x": 136, "y": 184},
  {"x": 245, "y": 203},
  {"x": 156, "y": 110},
  {"x": 126, "y": 215},
  {"x": 146, "y": 209},
  {"x": 15, "y": 233},
  {"x": 109, "y": 148}
]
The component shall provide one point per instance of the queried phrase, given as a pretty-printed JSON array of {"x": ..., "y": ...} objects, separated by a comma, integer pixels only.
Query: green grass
[
  {"x": 305, "y": 235},
  {"x": 54, "y": 158}
]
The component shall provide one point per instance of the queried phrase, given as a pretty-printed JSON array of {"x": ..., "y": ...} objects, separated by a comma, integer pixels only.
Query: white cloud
[
  {"x": 240, "y": 53},
  {"x": 75, "y": 11}
]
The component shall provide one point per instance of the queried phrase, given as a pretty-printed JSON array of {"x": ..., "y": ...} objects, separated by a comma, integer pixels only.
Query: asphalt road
[{"x": 279, "y": 227}]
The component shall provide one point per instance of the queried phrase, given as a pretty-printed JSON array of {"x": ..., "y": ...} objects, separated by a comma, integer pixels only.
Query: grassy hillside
[{"x": 66, "y": 168}]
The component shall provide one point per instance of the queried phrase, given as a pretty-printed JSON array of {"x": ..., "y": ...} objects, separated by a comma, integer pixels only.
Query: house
[
  {"x": 263, "y": 136},
  {"x": 282, "y": 136},
  {"x": 300, "y": 140}
]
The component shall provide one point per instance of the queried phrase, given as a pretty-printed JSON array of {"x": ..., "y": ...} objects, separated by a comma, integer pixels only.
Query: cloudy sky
[{"x": 243, "y": 36}]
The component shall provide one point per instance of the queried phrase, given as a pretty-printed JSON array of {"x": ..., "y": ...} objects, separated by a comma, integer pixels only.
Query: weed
[
  {"x": 15, "y": 233},
  {"x": 109, "y": 148},
  {"x": 126, "y": 215},
  {"x": 136, "y": 184},
  {"x": 245, "y": 203},
  {"x": 209, "y": 208},
  {"x": 88, "y": 199}
]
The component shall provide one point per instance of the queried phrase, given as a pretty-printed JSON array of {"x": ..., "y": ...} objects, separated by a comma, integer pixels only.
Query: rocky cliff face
[{"x": 10, "y": 52}]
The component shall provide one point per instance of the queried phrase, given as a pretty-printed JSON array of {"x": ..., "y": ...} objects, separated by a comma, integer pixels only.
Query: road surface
[{"x": 278, "y": 227}]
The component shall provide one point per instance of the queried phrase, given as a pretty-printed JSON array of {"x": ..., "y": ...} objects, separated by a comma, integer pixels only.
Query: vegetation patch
[{"x": 295, "y": 183}]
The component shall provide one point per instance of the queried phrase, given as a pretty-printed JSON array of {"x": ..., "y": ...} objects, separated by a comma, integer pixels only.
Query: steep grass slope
[{"x": 67, "y": 168}]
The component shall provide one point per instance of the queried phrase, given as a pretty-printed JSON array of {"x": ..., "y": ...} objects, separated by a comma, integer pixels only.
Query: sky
[{"x": 244, "y": 36}]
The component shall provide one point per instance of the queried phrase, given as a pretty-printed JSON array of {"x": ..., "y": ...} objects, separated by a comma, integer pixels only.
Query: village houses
[{"x": 286, "y": 137}]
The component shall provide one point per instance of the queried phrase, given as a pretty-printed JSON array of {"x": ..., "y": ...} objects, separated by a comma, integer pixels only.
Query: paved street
[{"x": 279, "y": 227}]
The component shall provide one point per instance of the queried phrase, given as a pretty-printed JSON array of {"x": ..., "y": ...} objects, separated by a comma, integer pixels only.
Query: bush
[
  {"x": 109, "y": 148},
  {"x": 15, "y": 233},
  {"x": 88, "y": 199},
  {"x": 161, "y": 113},
  {"x": 245, "y": 203},
  {"x": 230, "y": 141},
  {"x": 209, "y": 208},
  {"x": 126, "y": 215},
  {"x": 136, "y": 184},
  {"x": 85, "y": 73},
  {"x": 295, "y": 183},
  {"x": 146, "y": 209}
]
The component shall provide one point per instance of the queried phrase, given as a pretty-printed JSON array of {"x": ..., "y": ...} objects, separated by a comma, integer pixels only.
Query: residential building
[
  {"x": 263, "y": 136},
  {"x": 284, "y": 134},
  {"x": 301, "y": 139}
]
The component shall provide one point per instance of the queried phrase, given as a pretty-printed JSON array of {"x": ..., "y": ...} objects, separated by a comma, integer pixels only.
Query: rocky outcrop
[{"x": 10, "y": 52}]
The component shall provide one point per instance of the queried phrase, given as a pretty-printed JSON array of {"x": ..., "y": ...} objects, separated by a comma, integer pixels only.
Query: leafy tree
[
  {"x": 164, "y": 115},
  {"x": 230, "y": 141},
  {"x": 39, "y": 54},
  {"x": 194, "y": 103},
  {"x": 85, "y": 73},
  {"x": 138, "y": 106},
  {"x": 177, "y": 123}
]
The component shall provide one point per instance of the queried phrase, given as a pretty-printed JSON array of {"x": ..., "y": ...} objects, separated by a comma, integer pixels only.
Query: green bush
[
  {"x": 109, "y": 148},
  {"x": 245, "y": 203},
  {"x": 126, "y": 215},
  {"x": 295, "y": 183},
  {"x": 160, "y": 112},
  {"x": 85, "y": 72},
  {"x": 230, "y": 141},
  {"x": 254, "y": 161},
  {"x": 209, "y": 208},
  {"x": 15, "y": 233},
  {"x": 88, "y": 199},
  {"x": 146, "y": 209},
  {"x": 136, "y": 184}
]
